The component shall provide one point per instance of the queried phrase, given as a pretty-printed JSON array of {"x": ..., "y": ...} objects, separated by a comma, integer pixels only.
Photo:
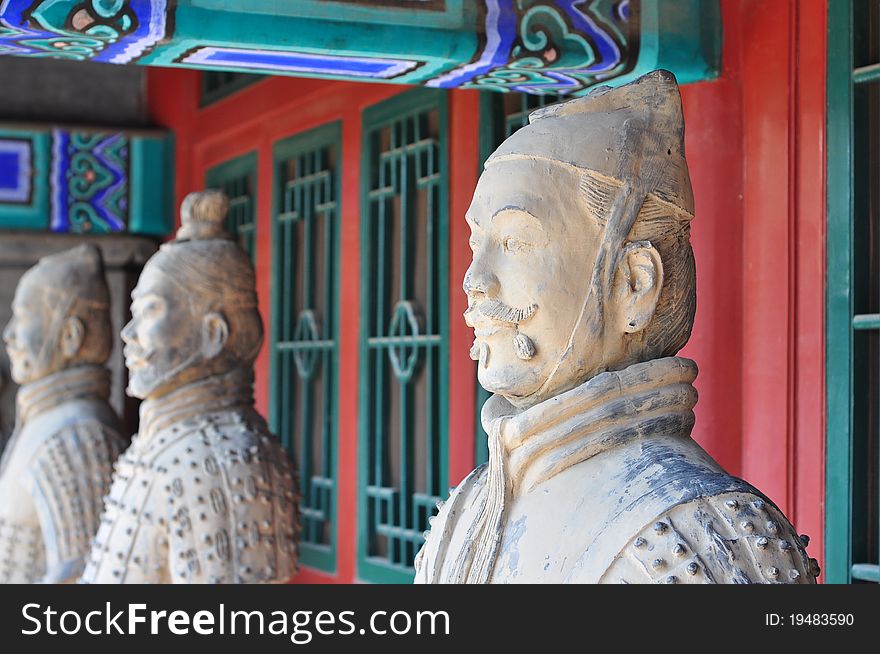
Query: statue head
[
  {"x": 580, "y": 228},
  {"x": 194, "y": 310},
  {"x": 60, "y": 315}
]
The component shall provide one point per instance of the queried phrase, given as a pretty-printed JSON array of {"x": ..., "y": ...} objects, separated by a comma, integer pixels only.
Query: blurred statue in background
[
  {"x": 581, "y": 292},
  {"x": 57, "y": 465},
  {"x": 205, "y": 493}
]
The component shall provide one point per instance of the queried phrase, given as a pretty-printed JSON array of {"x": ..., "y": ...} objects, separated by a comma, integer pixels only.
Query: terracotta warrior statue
[
  {"x": 56, "y": 467},
  {"x": 205, "y": 493},
  {"x": 581, "y": 292}
]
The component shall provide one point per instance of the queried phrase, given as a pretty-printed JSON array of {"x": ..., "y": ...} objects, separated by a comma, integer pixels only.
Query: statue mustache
[{"x": 495, "y": 309}]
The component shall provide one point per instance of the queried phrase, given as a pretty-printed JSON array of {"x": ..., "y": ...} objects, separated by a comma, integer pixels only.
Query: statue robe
[
  {"x": 54, "y": 473},
  {"x": 603, "y": 484},
  {"x": 204, "y": 494}
]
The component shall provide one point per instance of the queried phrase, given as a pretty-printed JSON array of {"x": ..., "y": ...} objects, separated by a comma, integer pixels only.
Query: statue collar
[
  {"x": 527, "y": 447},
  {"x": 229, "y": 391},
  {"x": 611, "y": 408},
  {"x": 85, "y": 382}
]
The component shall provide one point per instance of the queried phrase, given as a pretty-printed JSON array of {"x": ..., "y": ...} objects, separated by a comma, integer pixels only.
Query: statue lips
[{"x": 134, "y": 358}]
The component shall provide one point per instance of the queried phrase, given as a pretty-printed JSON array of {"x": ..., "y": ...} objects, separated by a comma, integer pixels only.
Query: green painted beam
[
  {"x": 559, "y": 47},
  {"x": 86, "y": 180}
]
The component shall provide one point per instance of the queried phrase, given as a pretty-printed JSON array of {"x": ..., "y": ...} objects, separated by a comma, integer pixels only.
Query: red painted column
[
  {"x": 783, "y": 82},
  {"x": 713, "y": 145},
  {"x": 464, "y": 119},
  {"x": 808, "y": 456},
  {"x": 714, "y": 153},
  {"x": 767, "y": 247}
]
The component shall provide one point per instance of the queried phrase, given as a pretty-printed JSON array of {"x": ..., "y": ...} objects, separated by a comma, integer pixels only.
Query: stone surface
[
  {"x": 57, "y": 466},
  {"x": 205, "y": 493},
  {"x": 581, "y": 292}
]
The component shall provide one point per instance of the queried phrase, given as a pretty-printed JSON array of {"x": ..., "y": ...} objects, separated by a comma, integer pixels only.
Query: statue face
[
  {"x": 534, "y": 248},
  {"x": 26, "y": 333},
  {"x": 161, "y": 339}
]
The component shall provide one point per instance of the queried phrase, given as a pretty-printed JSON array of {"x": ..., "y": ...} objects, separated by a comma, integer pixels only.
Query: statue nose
[
  {"x": 127, "y": 332},
  {"x": 480, "y": 284},
  {"x": 7, "y": 332}
]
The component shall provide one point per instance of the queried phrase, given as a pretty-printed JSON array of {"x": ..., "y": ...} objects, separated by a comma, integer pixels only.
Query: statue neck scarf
[
  {"x": 530, "y": 446},
  {"x": 78, "y": 383},
  {"x": 229, "y": 391}
]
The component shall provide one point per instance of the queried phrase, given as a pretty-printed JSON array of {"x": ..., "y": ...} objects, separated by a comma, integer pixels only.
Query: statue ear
[
  {"x": 215, "y": 332},
  {"x": 73, "y": 333},
  {"x": 638, "y": 284}
]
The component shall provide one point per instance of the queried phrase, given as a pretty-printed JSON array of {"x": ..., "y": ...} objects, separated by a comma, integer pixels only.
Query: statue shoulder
[
  {"x": 737, "y": 537},
  {"x": 68, "y": 477},
  {"x": 431, "y": 556},
  {"x": 232, "y": 504}
]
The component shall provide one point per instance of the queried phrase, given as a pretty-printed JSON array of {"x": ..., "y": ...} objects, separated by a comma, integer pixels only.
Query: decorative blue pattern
[
  {"x": 560, "y": 47},
  {"x": 298, "y": 62},
  {"x": 15, "y": 171},
  {"x": 89, "y": 182},
  {"x": 100, "y": 30}
]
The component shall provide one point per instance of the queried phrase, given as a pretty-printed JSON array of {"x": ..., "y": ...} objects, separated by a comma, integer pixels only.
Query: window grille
[{"x": 404, "y": 330}]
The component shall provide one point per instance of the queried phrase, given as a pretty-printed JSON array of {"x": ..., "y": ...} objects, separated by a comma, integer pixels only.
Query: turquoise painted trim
[
  {"x": 137, "y": 164},
  {"x": 152, "y": 185},
  {"x": 32, "y": 215},
  {"x": 454, "y": 15},
  {"x": 415, "y": 101},
  {"x": 237, "y": 167},
  {"x": 270, "y": 33},
  {"x": 321, "y": 557},
  {"x": 838, "y": 298},
  {"x": 667, "y": 40},
  {"x": 536, "y": 46},
  {"x": 231, "y": 172}
]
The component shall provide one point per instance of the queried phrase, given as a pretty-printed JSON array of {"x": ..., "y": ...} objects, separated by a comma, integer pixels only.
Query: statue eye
[{"x": 512, "y": 244}]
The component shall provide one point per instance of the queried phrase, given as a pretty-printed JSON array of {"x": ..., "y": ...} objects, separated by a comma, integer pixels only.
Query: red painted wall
[{"x": 755, "y": 148}]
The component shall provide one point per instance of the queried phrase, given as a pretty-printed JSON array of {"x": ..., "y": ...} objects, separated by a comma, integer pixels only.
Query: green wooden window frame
[
  {"x": 500, "y": 116},
  {"x": 219, "y": 84},
  {"x": 852, "y": 293},
  {"x": 305, "y": 327},
  {"x": 403, "y": 417},
  {"x": 238, "y": 179}
]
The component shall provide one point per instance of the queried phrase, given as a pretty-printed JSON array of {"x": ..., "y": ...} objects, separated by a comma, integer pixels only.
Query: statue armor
[
  {"x": 624, "y": 496},
  {"x": 205, "y": 493},
  {"x": 56, "y": 467},
  {"x": 581, "y": 292}
]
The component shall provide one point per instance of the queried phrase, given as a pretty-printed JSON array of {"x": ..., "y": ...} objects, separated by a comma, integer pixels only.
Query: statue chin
[{"x": 514, "y": 380}]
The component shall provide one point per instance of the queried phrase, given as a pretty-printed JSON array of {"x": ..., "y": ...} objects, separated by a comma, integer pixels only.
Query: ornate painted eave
[
  {"x": 85, "y": 181},
  {"x": 533, "y": 46}
]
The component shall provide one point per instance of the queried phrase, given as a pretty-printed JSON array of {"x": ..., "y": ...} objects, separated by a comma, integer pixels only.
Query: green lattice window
[
  {"x": 500, "y": 116},
  {"x": 238, "y": 179},
  {"x": 305, "y": 326},
  {"x": 404, "y": 329},
  {"x": 853, "y": 292},
  {"x": 218, "y": 84}
]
